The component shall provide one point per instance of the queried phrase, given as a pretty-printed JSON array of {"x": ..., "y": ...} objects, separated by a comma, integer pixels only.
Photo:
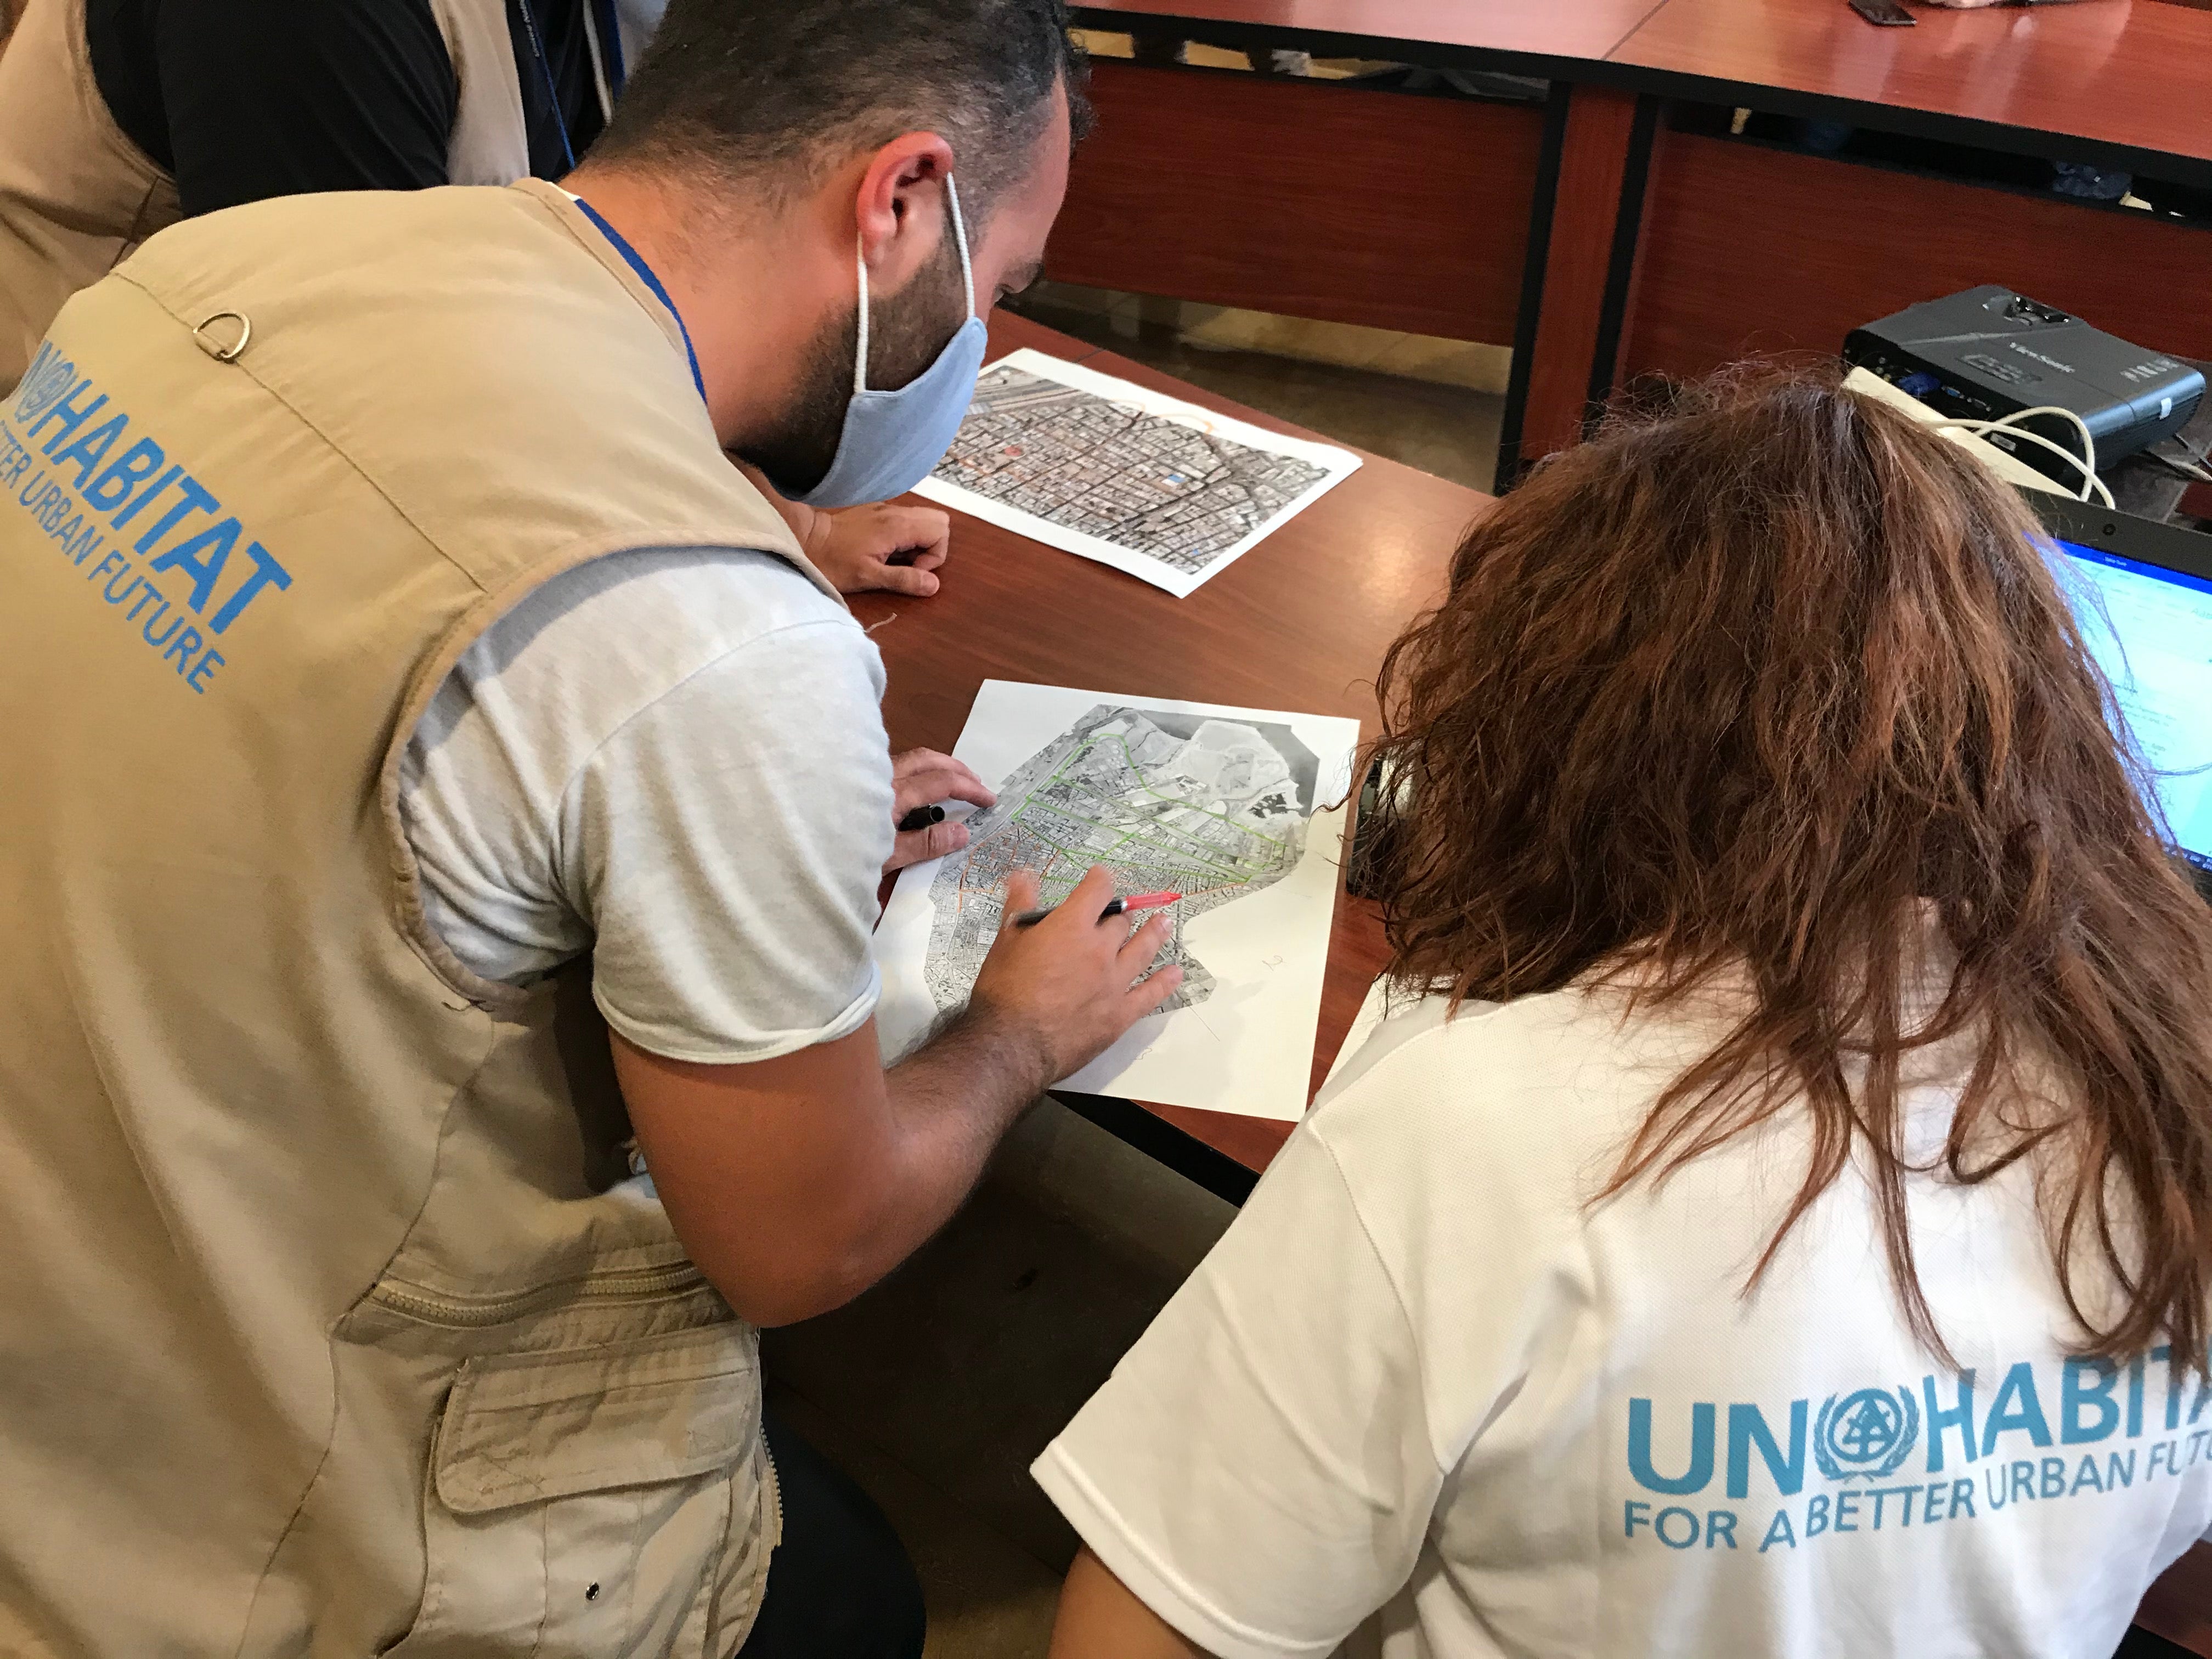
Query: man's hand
[
  {"x": 1069, "y": 986},
  {"x": 856, "y": 548},
  {"x": 922, "y": 777},
  {"x": 797, "y": 1182}
]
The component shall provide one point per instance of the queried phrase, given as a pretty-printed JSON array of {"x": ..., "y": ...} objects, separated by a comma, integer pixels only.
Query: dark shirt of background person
[{"x": 243, "y": 100}]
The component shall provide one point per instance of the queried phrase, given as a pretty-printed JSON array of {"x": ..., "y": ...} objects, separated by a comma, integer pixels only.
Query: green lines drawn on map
[{"x": 1232, "y": 873}]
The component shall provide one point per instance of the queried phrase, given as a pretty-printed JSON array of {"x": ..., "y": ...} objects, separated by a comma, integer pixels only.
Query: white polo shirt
[{"x": 1421, "y": 1373}]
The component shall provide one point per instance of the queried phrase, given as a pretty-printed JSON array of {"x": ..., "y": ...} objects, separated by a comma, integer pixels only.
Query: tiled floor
[
  {"x": 1108, "y": 43},
  {"x": 937, "y": 1390}
]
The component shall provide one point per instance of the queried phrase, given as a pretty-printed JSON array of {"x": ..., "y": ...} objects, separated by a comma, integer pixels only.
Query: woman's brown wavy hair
[{"x": 1752, "y": 688}]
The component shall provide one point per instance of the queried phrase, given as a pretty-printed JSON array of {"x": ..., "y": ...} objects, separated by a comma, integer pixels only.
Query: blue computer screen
[{"x": 2151, "y": 631}]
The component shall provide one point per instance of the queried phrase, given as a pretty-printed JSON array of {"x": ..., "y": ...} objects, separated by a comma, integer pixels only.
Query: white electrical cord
[{"x": 2092, "y": 487}]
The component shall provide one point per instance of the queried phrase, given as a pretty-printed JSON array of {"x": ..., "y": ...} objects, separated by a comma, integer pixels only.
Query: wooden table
[
  {"x": 1596, "y": 236},
  {"x": 2120, "y": 78},
  {"x": 1299, "y": 623},
  {"x": 1722, "y": 248},
  {"x": 1527, "y": 30},
  {"x": 2120, "y": 81}
]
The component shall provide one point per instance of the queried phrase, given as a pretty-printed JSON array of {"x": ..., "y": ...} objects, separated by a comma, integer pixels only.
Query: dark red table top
[{"x": 1300, "y": 624}]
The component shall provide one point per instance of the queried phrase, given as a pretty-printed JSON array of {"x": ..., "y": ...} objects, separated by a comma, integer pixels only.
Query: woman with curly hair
[{"x": 1772, "y": 1212}]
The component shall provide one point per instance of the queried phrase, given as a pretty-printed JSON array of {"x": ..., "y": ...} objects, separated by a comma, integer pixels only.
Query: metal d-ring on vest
[{"x": 223, "y": 354}]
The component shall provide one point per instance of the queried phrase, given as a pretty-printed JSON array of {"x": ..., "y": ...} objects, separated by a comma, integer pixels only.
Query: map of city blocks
[
  {"x": 1160, "y": 488},
  {"x": 1213, "y": 809}
]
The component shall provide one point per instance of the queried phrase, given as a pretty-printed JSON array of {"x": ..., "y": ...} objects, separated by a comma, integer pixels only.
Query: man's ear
[{"x": 900, "y": 206}]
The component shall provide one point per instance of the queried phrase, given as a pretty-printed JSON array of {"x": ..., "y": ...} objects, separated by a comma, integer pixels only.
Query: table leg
[{"x": 1573, "y": 305}]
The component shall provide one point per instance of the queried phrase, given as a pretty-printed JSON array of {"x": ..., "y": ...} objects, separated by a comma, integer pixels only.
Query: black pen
[
  {"x": 1114, "y": 908},
  {"x": 921, "y": 818}
]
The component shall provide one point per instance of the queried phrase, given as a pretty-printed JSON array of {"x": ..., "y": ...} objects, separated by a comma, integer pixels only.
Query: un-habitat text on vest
[{"x": 152, "y": 544}]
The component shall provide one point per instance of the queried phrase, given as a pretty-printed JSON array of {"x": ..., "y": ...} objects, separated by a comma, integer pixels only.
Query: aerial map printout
[
  {"x": 1239, "y": 809},
  {"x": 1148, "y": 483}
]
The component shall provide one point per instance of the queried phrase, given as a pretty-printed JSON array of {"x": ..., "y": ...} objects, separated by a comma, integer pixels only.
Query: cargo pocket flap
[{"x": 521, "y": 1428}]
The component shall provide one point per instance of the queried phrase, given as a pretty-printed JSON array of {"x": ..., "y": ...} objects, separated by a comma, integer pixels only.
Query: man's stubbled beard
[{"x": 906, "y": 332}]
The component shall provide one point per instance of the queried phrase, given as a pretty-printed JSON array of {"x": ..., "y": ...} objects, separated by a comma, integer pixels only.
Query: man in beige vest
[
  {"x": 394, "y": 667},
  {"x": 119, "y": 117}
]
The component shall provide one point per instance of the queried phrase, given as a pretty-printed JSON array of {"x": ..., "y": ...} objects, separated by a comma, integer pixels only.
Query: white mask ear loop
[
  {"x": 861, "y": 354},
  {"x": 860, "y": 266},
  {"x": 960, "y": 230}
]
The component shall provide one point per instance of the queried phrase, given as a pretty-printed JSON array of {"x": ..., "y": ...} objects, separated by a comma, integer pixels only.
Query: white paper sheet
[
  {"x": 1170, "y": 493},
  {"x": 1203, "y": 802}
]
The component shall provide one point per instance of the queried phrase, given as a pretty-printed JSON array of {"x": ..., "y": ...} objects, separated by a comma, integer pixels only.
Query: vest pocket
[{"x": 591, "y": 1502}]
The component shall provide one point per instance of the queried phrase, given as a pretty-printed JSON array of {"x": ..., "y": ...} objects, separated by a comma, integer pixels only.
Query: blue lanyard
[{"x": 637, "y": 264}]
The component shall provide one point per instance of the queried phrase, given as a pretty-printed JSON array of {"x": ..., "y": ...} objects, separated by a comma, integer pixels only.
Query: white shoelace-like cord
[{"x": 2092, "y": 487}]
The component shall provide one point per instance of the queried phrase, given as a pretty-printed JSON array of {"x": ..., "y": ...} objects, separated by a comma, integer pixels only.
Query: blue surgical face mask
[{"x": 894, "y": 439}]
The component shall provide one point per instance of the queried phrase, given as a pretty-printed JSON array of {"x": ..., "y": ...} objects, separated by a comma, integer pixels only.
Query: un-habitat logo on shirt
[{"x": 1878, "y": 1451}]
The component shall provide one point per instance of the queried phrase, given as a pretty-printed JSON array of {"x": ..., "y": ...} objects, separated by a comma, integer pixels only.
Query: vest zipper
[
  {"x": 626, "y": 1285},
  {"x": 775, "y": 1480}
]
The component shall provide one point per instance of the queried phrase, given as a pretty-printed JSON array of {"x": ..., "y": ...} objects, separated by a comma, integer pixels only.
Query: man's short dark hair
[{"x": 766, "y": 91}]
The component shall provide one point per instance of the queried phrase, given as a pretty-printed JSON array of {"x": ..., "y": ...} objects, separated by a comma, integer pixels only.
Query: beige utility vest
[
  {"x": 330, "y": 1317},
  {"x": 76, "y": 196}
]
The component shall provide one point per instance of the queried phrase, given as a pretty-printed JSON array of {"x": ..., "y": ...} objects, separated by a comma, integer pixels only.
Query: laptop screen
[{"x": 2150, "y": 630}]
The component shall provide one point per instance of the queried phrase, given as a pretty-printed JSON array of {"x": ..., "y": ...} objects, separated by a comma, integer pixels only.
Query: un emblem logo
[
  {"x": 1866, "y": 1433},
  {"x": 44, "y": 384}
]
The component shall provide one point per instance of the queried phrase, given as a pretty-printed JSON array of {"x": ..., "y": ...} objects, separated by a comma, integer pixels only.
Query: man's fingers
[
  {"x": 908, "y": 534},
  {"x": 1094, "y": 891},
  {"x": 1146, "y": 995},
  {"x": 912, "y": 762},
  {"x": 935, "y": 842},
  {"x": 947, "y": 779},
  {"x": 962, "y": 784},
  {"x": 916, "y": 760},
  {"x": 1023, "y": 888},
  {"x": 911, "y": 580},
  {"x": 926, "y": 531},
  {"x": 918, "y": 845},
  {"x": 922, "y": 776},
  {"x": 1143, "y": 945}
]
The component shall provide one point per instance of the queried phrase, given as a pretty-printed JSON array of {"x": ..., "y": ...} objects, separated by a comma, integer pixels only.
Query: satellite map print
[
  {"x": 1161, "y": 488},
  {"x": 1212, "y": 809}
]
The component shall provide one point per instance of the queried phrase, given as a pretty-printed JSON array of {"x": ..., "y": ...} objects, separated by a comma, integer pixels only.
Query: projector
[{"x": 1990, "y": 352}]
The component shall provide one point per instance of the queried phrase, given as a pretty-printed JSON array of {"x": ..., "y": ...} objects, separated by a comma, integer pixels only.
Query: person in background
[
  {"x": 445, "y": 810},
  {"x": 1771, "y": 1211},
  {"x": 119, "y": 117}
]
